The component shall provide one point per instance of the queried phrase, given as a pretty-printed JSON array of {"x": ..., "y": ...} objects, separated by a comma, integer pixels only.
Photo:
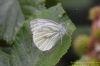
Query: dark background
[{"x": 78, "y": 11}]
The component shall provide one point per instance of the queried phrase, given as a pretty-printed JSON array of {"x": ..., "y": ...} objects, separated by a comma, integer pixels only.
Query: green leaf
[
  {"x": 4, "y": 59},
  {"x": 11, "y": 19},
  {"x": 50, "y": 3},
  {"x": 58, "y": 14},
  {"x": 31, "y": 7},
  {"x": 25, "y": 53}
]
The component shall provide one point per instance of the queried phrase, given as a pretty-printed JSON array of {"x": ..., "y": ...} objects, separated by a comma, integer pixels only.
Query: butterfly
[{"x": 46, "y": 33}]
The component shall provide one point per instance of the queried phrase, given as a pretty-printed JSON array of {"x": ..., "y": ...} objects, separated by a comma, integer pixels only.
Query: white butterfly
[{"x": 46, "y": 33}]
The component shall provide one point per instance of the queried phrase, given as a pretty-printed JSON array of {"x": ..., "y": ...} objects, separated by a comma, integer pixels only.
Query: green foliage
[
  {"x": 97, "y": 34},
  {"x": 4, "y": 59},
  {"x": 11, "y": 19},
  {"x": 87, "y": 61},
  {"x": 50, "y": 3},
  {"x": 31, "y": 7},
  {"x": 29, "y": 54},
  {"x": 23, "y": 52},
  {"x": 81, "y": 44}
]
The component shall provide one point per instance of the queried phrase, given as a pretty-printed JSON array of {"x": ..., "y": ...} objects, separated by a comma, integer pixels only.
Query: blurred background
[{"x": 78, "y": 11}]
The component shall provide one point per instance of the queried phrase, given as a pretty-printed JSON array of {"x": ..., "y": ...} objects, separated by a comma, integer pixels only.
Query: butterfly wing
[{"x": 45, "y": 33}]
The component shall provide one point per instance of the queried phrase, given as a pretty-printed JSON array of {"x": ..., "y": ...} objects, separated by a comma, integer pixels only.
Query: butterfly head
[{"x": 62, "y": 28}]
